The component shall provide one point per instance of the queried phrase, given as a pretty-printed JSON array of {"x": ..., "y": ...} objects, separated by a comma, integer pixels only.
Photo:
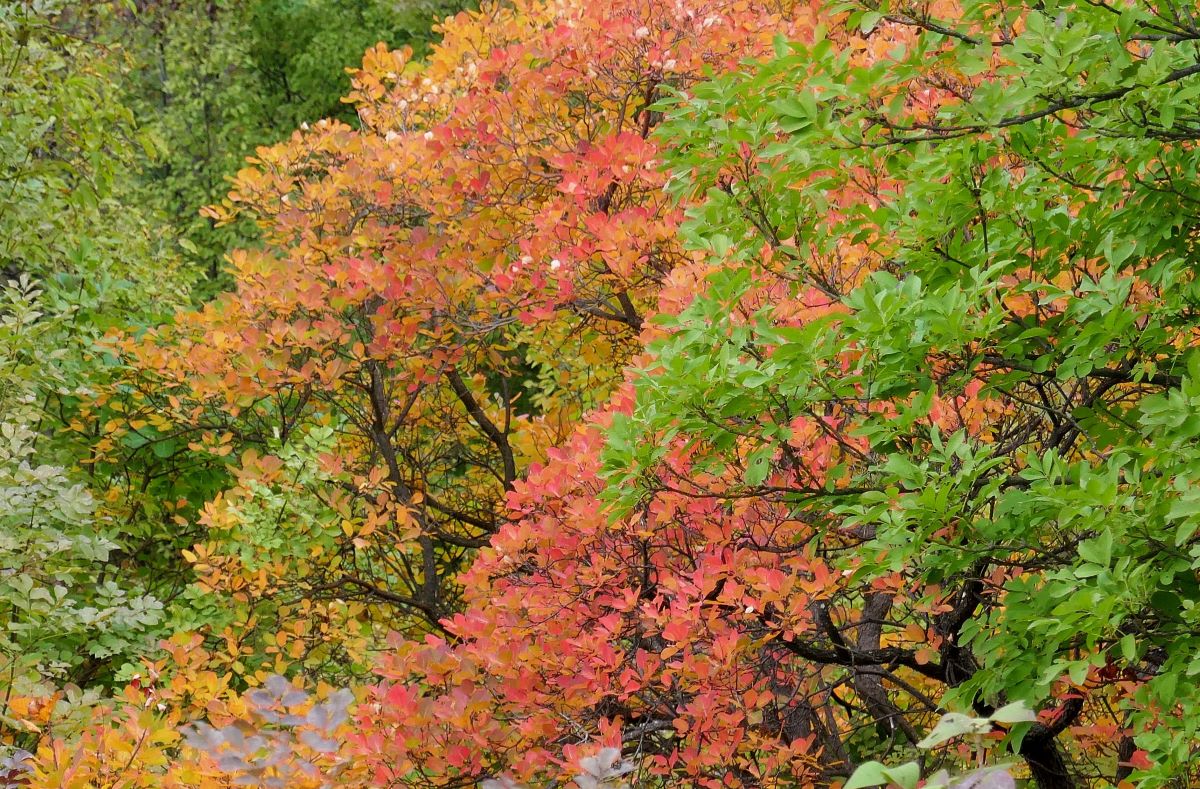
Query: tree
[
  {"x": 441, "y": 295},
  {"x": 75, "y": 260},
  {"x": 63, "y": 619},
  {"x": 923, "y": 439},
  {"x": 701, "y": 408}
]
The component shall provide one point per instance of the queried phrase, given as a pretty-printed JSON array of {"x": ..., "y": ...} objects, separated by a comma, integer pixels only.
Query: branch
[
  {"x": 1040, "y": 751},
  {"x": 477, "y": 521},
  {"x": 431, "y": 614},
  {"x": 1068, "y": 103},
  {"x": 485, "y": 424},
  {"x": 886, "y": 656},
  {"x": 1165, "y": 380}
]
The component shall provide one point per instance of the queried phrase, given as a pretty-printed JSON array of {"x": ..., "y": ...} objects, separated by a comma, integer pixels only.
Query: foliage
[
  {"x": 921, "y": 439},
  {"x": 77, "y": 260},
  {"x": 301, "y": 50},
  {"x": 60, "y": 612},
  {"x": 982, "y": 439},
  {"x": 149, "y": 735},
  {"x": 705, "y": 392},
  {"x": 212, "y": 81},
  {"x": 80, "y": 263},
  {"x": 282, "y": 721},
  {"x": 67, "y": 149},
  {"x": 952, "y": 724},
  {"x": 409, "y": 318}
]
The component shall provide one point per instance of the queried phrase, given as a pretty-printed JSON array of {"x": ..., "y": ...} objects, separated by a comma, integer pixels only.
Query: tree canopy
[{"x": 645, "y": 393}]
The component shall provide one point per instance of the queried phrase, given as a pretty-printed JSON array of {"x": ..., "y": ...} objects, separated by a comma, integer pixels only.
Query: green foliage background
[{"x": 211, "y": 80}]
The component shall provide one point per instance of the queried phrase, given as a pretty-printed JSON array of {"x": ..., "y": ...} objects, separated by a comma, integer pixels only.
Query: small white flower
[
  {"x": 428, "y": 135},
  {"x": 641, "y": 32},
  {"x": 304, "y": 125},
  {"x": 555, "y": 264}
]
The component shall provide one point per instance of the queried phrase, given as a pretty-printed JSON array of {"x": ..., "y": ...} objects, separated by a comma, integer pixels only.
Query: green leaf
[
  {"x": 867, "y": 774},
  {"x": 1128, "y": 647},
  {"x": 1016, "y": 712},
  {"x": 868, "y": 21},
  {"x": 758, "y": 466},
  {"x": 954, "y": 724},
  {"x": 1098, "y": 550},
  {"x": 876, "y": 774},
  {"x": 905, "y": 775}
]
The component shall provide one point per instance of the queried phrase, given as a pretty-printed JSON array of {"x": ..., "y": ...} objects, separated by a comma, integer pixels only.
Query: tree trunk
[
  {"x": 1046, "y": 763},
  {"x": 1041, "y": 752}
]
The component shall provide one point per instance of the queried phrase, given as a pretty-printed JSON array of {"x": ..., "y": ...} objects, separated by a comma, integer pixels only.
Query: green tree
[
  {"x": 954, "y": 328},
  {"x": 68, "y": 605},
  {"x": 77, "y": 257}
]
